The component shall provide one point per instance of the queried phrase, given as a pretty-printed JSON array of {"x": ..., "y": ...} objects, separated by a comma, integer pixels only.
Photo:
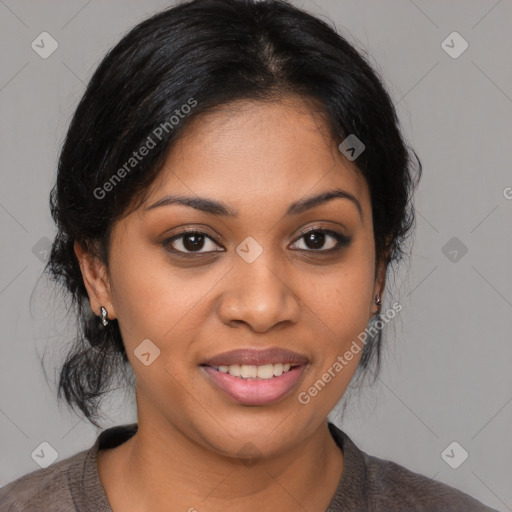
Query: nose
[{"x": 259, "y": 296}]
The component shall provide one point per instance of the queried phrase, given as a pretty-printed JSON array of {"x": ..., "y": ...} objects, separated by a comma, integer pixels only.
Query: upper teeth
[{"x": 248, "y": 371}]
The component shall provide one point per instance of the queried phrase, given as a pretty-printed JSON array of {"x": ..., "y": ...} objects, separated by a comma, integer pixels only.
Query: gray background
[{"x": 446, "y": 374}]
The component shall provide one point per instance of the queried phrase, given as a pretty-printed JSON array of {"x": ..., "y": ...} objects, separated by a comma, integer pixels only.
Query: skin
[{"x": 256, "y": 158}]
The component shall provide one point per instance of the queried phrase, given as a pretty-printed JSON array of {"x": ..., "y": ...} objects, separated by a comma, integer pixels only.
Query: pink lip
[
  {"x": 257, "y": 357},
  {"x": 255, "y": 391}
]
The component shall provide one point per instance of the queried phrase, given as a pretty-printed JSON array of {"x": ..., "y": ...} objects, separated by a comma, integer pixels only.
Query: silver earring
[
  {"x": 104, "y": 319},
  {"x": 378, "y": 301}
]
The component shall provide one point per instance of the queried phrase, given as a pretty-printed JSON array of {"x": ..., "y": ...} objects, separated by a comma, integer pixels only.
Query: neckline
[{"x": 90, "y": 493}]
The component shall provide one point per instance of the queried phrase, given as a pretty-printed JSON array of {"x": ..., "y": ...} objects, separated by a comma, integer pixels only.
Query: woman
[{"x": 231, "y": 192}]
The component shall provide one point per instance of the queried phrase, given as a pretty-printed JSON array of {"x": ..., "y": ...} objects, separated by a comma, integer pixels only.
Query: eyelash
[{"x": 342, "y": 242}]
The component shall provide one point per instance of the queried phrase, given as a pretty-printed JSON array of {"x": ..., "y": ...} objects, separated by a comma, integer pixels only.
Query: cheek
[
  {"x": 339, "y": 313},
  {"x": 347, "y": 307},
  {"x": 341, "y": 300},
  {"x": 156, "y": 301},
  {"x": 339, "y": 317}
]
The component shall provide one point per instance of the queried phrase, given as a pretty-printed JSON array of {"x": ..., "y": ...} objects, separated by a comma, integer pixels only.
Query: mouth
[
  {"x": 262, "y": 372},
  {"x": 256, "y": 377}
]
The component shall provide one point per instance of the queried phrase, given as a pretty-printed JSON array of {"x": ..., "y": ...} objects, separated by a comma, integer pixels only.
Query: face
[{"x": 250, "y": 265}]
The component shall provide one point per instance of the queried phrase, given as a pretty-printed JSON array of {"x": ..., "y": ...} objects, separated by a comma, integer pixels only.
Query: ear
[
  {"x": 380, "y": 278},
  {"x": 380, "y": 281},
  {"x": 94, "y": 273}
]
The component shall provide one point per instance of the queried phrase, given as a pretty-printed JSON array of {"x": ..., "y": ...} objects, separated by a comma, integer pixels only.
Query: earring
[
  {"x": 104, "y": 319},
  {"x": 378, "y": 301}
]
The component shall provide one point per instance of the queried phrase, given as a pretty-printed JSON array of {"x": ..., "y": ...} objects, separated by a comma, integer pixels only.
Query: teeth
[
  {"x": 266, "y": 371},
  {"x": 247, "y": 371}
]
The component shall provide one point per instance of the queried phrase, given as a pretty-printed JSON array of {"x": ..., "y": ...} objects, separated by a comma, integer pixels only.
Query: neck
[{"x": 160, "y": 465}]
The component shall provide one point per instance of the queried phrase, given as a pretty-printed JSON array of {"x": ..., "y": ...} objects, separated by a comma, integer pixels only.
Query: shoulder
[
  {"x": 390, "y": 484},
  {"x": 70, "y": 484},
  {"x": 47, "y": 489},
  {"x": 380, "y": 485}
]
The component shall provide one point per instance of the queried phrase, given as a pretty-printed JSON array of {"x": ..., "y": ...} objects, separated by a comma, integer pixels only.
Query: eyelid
[
  {"x": 342, "y": 240},
  {"x": 187, "y": 231},
  {"x": 325, "y": 229}
]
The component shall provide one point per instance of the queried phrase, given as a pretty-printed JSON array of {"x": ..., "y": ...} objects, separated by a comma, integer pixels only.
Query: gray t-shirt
[{"x": 367, "y": 484}]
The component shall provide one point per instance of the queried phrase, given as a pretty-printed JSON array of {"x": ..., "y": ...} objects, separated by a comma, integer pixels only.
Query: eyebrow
[{"x": 217, "y": 208}]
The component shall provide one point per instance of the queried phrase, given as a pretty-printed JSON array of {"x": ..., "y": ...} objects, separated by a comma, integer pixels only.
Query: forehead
[{"x": 257, "y": 153}]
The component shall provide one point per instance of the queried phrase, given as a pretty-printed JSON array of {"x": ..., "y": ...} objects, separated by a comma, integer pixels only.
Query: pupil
[
  {"x": 320, "y": 238},
  {"x": 196, "y": 244}
]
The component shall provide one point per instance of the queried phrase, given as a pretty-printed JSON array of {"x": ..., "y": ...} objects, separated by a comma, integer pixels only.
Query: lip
[
  {"x": 255, "y": 391},
  {"x": 257, "y": 357}
]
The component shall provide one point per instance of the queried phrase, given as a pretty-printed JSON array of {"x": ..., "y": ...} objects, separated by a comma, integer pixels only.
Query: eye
[
  {"x": 196, "y": 242},
  {"x": 190, "y": 242},
  {"x": 316, "y": 238}
]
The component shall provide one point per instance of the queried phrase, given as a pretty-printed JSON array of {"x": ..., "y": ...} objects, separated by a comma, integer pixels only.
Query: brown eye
[
  {"x": 190, "y": 242},
  {"x": 316, "y": 239},
  {"x": 197, "y": 242}
]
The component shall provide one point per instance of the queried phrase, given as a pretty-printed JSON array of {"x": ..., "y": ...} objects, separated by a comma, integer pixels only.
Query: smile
[
  {"x": 255, "y": 390},
  {"x": 255, "y": 377},
  {"x": 246, "y": 371}
]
